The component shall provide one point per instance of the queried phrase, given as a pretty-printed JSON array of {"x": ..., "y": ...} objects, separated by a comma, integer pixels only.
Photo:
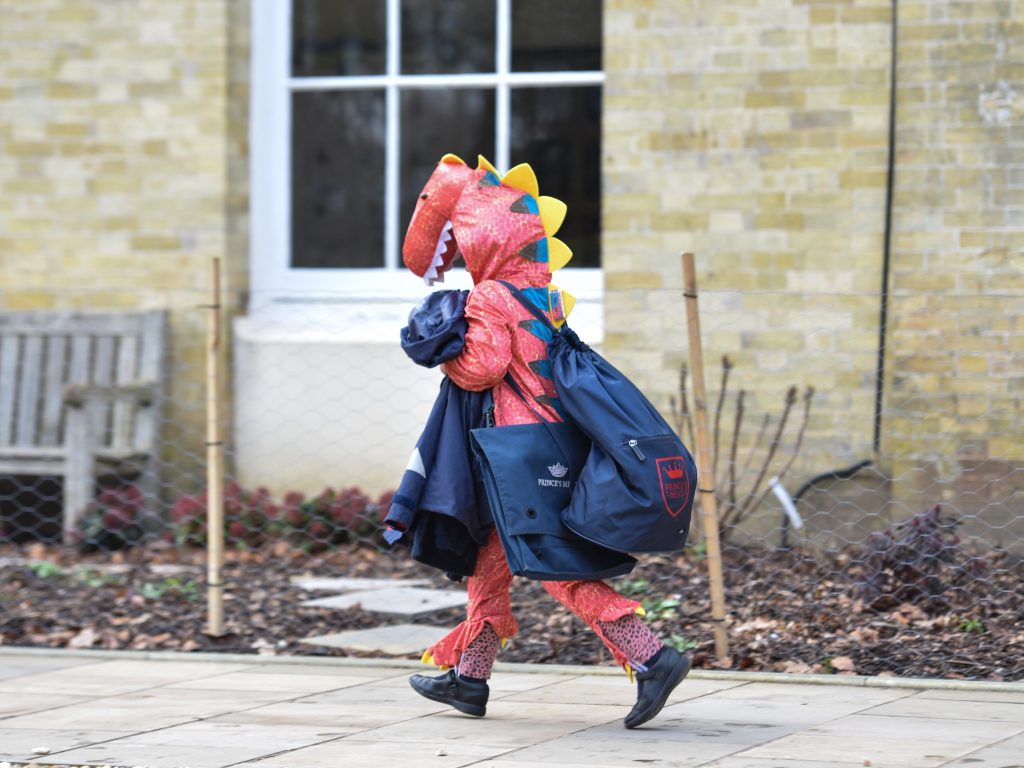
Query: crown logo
[
  {"x": 557, "y": 470},
  {"x": 674, "y": 474}
]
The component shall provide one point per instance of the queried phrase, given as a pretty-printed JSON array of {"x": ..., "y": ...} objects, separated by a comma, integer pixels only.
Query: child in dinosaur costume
[{"x": 504, "y": 230}]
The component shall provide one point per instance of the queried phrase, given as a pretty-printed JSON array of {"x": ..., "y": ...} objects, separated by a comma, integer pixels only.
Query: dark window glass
[
  {"x": 338, "y": 179},
  {"x": 332, "y": 37},
  {"x": 552, "y": 35},
  {"x": 444, "y": 37},
  {"x": 435, "y": 121},
  {"x": 558, "y": 132}
]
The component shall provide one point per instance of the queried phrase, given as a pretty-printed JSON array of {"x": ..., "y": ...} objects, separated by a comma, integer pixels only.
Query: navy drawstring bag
[{"x": 635, "y": 491}]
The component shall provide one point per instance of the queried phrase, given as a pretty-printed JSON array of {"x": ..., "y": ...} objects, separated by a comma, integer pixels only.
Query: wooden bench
[{"x": 81, "y": 397}]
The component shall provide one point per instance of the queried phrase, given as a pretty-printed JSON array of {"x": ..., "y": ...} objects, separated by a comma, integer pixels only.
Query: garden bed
[{"x": 789, "y": 611}]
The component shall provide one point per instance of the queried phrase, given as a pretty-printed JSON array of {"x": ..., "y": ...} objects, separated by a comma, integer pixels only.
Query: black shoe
[
  {"x": 467, "y": 696},
  {"x": 664, "y": 672}
]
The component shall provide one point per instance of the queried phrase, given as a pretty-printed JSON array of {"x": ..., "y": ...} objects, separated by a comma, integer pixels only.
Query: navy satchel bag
[{"x": 529, "y": 472}]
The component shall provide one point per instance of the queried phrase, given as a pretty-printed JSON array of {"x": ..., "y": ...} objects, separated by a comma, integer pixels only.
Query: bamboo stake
[
  {"x": 705, "y": 477},
  {"x": 214, "y": 462}
]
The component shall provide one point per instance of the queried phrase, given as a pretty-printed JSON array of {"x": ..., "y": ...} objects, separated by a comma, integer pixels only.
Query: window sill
[{"x": 373, "y": 305}]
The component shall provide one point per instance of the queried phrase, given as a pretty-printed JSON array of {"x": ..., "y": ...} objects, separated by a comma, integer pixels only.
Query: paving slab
[
  {"x": 143, "y": 710},
  {"x": 263, "y": 681},
  {"x": 352, "y": 584},
  {"x": 393, "y": 640},
  {"x": 18, "y": 743},
  {"x": 112, "y": 677},
  {"x": 858, "y": 750},
  {"x": 353, "y": 753},
  {"x": 951, "y": 709},
  {"x": 13, "y": 666},
  {"x": 153, "y": 756},
  {"x": 1005, "y": 754},
  {"x": 173, "y": 569},
  {"x": 640, "y": 749},
  {"x": 26, "y": 703},
  {"x": 395, "y": 601}
]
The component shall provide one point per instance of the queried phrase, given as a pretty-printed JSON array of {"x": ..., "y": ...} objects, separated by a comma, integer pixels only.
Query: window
[{"x": 355, "y": 102}]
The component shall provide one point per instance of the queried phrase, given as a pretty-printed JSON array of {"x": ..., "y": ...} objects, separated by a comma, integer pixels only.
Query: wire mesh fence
[{"x": 870, "y": 507}]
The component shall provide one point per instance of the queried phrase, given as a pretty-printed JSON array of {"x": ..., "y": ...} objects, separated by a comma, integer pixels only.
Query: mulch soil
[{"x": 789, "y": 611}]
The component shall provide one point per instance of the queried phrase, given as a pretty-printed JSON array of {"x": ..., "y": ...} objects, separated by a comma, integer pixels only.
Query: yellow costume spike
[
  {"x": 629, "y": 671},
  {"x": 453, "y": 159},
  {"x": 483, "y": 162},
  {"x": 558, "y": 254},
  {"x": 640, "y": 611},
  {"x": 427, "y": 657},
  {"x": 568, "y": 301},
  {"x": 552, "y": 213},
  {"x": 522, "y": 177}
]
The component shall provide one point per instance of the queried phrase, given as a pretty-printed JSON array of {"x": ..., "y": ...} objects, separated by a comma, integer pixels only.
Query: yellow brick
[
  {"x": 622, "y": 281},
  {"x": 866, "y": 15},
  {"x": 759, "y": 99}
]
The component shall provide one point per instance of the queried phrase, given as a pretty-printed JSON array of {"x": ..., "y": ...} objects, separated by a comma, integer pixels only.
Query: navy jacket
[{"x": 438, "y": 501}]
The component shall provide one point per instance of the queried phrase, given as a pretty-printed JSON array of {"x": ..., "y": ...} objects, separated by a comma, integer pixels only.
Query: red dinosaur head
[{"x": 501, "y": 226}]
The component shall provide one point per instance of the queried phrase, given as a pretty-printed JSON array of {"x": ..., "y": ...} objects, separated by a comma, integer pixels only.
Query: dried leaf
[{"x": 84, "y": 639}]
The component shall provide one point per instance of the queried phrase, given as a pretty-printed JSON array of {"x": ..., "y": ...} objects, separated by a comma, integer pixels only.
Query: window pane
[
  {"x": 338, "y": 179},
  {"x": 460, "y": 121},
  {"x": 338, "y": 38},
  {"x": 549, "y": 36},
  {"x": 558, "y": 132},
  {"x": 442, "y": 37}
]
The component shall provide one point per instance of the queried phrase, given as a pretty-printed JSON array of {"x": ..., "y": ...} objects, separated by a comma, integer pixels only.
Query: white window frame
[{"x": 272, "y": 278}]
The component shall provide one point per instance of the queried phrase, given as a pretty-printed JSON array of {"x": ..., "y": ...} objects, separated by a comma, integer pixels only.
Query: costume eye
[{"x": 424, "y": 196}]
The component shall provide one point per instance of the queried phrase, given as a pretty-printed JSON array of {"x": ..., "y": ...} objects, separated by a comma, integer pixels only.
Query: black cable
[
  {"x": 833, "y": 474},
  {"x": 883, "y": 320}
]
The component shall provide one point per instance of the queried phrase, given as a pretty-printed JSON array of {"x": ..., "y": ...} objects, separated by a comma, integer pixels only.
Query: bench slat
[
  {"x": 102, "y": 373},
  {"x": 151, "y": 368},
  {"x": 124, "y": 410},
  {"x": 9, "y": 346},
  {"x": 53, "y": 391},
  {"x": 28, "y": 391}
]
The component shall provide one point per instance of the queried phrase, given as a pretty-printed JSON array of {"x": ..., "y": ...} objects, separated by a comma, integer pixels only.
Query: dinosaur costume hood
[{"x": 500, "y": 225}]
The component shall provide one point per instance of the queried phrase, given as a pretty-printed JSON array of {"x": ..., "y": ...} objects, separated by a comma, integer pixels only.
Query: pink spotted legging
[{"x": 472, "y": 646}]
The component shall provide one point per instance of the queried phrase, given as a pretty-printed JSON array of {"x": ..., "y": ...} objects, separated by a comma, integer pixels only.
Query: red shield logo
[{"x": 675, "y": 483}]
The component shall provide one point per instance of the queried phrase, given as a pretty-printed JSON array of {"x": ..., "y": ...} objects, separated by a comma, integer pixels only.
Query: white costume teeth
[{"x": 435, "y": 272}]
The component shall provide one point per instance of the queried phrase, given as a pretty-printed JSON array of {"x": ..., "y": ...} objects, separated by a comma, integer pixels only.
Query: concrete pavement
[{"x": 171, "y": 710}]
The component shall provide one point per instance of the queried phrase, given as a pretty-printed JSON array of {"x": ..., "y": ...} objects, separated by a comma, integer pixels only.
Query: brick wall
[
  {"x": 956, "y": 345},
  {"x": 114, "y": 150},
  {"x": 755, "y": 134}
]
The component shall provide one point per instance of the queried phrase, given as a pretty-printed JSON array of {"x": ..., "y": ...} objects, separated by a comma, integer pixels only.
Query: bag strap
[
  {"x": 525, "y": 301},
  {"x": 547, "y": 424}
]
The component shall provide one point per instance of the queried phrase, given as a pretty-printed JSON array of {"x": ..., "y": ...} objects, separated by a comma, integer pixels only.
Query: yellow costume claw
[
  {"x": 552, "y": 213},
  {"x": 523, "y": 178},
  {"x": 453, "y": 159},
  {"x": 640, "y": 611}
]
